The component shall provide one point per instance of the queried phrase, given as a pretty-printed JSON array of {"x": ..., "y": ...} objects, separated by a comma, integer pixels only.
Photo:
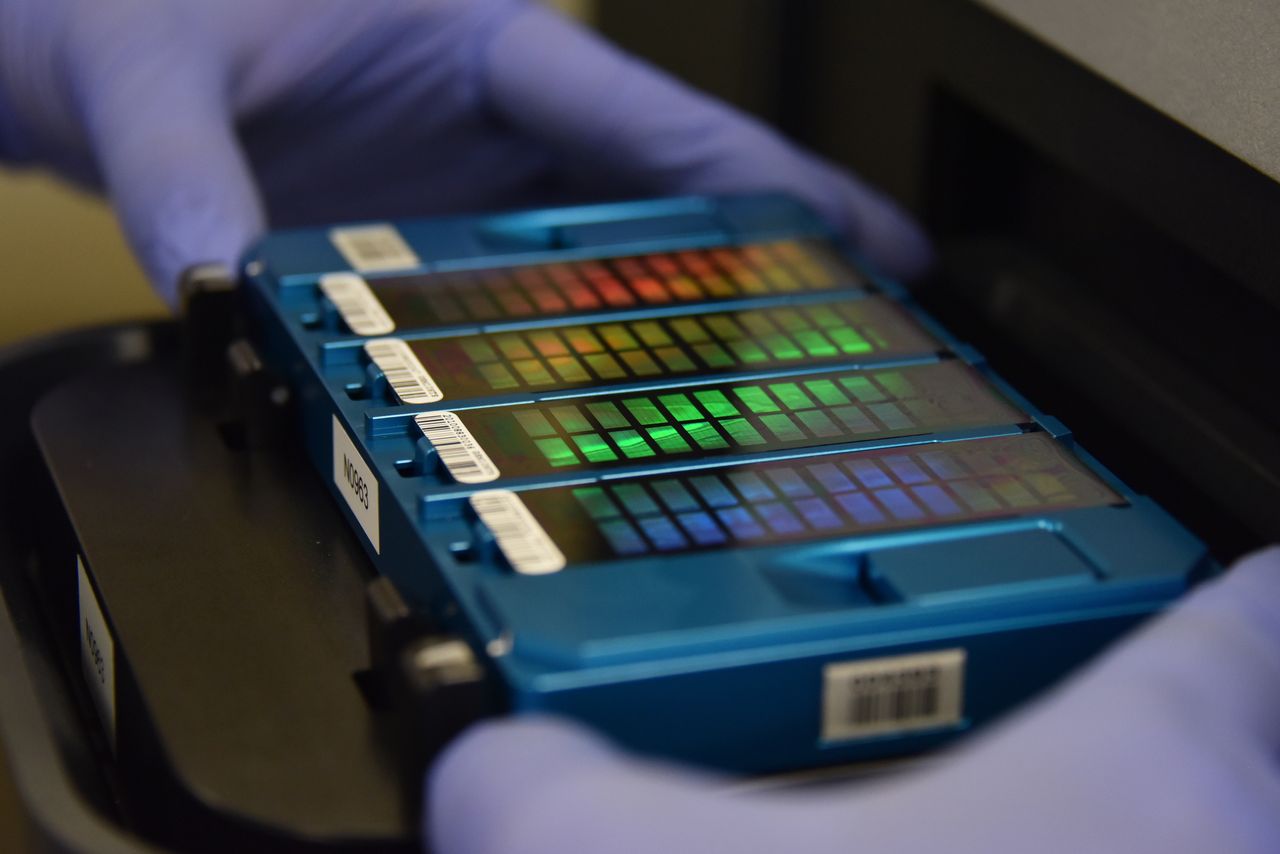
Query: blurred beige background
[{"x": 66, "y": 262}]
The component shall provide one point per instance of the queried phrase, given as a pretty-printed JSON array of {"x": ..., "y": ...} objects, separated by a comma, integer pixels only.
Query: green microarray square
[
  {"x": 498, "y": 376},
  {"x": 714, "y": 356},
  {"x": 689, "y": 330},
  {"x": 680, "y": 407},
  {"x": 557, "y": 452},
  {"x": 605, "y": 366},
  {"x": 668, "y": 440},
  {"x": 748, "y": 351},
  {"x": 819, "y": 424},
  {"x": 607, "y": 415},
  {"x": 675, "y": 359},
  {"x": 815, "y": 344},
  {"x": 594, "y": 448},
  {"x": 862, "y": 389},
  {"x": 781, "y": 346},
  {"x": 755, "y": 399},
  {"x": 478, "y": 349},
  {"x": 716, "y": 403},
  {"x": 534, "y": 423},
  {"x": 723, "y": 327},
  {"x": 635, "y": 499},
  {"x": 644, "y": 410},
  {"x": 875, "y": 336},
  {"x": 896, "y": 384},
  {"x": 825, "y": 317},
  {"x": 571, "y": 419},
  {"x": 596, "y": 502},
  {"x": 632, "y": 444},
  {"x": 827, "y": 393},
  {"x": 513, "y": 347},
  {"x": 616, "y": 337},
  {"x": 790, "y": 320},
  {"x": 569, "y": 369},
  {"x": 640, "y": 363},
  {"x": 742, "y": 432},
  {"x": 651, "y": 333},
  {"x": 533, "y": 372},
  {"x": 849, "y": 341},
  {"x": 781, "y": 425},
  {"x": 791, "y": 395},
  {"x": 757, "y": 324},
  {"x": 705, "y": 435}
]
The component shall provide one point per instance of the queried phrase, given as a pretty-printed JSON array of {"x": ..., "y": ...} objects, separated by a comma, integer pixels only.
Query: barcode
[
  {"x": 522, "y": 540},
  {"x": 356, "y": 304},
  {"x": 409, "y": 381},
  {"x": 892, "y": 695},
  {"x": 458, "y": 449},
  {"x": 374, "y": 248}
]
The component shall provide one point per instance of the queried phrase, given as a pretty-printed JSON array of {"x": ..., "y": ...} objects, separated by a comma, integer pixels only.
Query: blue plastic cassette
[{"x": 690, "y": 471}]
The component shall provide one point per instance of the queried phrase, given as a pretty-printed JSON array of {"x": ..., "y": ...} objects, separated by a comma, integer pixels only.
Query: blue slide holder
[{"x": 690, "y": 471}]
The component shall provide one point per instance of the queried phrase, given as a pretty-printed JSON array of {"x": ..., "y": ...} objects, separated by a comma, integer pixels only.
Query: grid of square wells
[
  {"x": 753, "y": 416},
  {"x": 831, "y": 495},
  {"x": 620, "y": 351},
  {"x": 637, "y": 281}
]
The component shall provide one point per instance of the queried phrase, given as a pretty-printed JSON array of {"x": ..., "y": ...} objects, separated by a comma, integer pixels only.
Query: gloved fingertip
[
  {"x": 882, "y": 229},
  {"x": 152, "y": 100},
  {"x": 488, "y": 772},
  {"x": 891, "y": 238},
  {"x": 179, "y": 225},
  {"x": 1251, "y": 583}
]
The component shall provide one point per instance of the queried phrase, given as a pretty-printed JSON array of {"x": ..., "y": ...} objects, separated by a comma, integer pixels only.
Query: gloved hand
[
  {"x": 1170, "y": 743},
  {"x": 205, "y": 118}
]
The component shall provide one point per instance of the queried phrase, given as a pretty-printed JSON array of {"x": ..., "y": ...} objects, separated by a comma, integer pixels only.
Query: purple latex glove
[
  {"x": 1170, "y": 743},
  {"x": 206, "y": 118}
]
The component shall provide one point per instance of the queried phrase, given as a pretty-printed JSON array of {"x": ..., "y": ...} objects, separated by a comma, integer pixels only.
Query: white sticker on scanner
[
  {"x": 374, "y": 248},
  {"x": 897, "y": 694},
  {"x": 523, "y": 541},
  {"x": 356, "y": 304},
  {"x": 357, "y": 484},
  {"x": 458, "y": 449},
  {"x": 409, "y": 381},
  {"x": 97, "y": 653}
]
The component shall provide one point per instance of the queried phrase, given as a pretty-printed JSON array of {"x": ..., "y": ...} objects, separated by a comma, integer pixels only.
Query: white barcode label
[
  {"x": 357, "y": 484},
  {"x": 523, "y": 541},
  {"x": 374, "y": 248},
  {"x": 892, "y": 695},
  {"x": 97, "y": 653},
  {"x": 458, "y": 449},
  {"x": 409, "y": 381},
  {"x": 356, "y": 304}
]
